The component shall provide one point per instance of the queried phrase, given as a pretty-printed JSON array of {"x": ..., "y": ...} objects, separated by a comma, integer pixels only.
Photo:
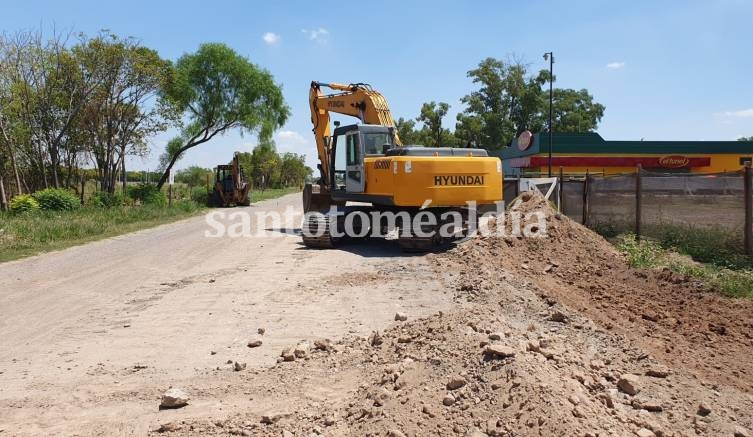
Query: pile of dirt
[
  {"x": 550, "y": 336},
  {"x": 678, "y": 318}
]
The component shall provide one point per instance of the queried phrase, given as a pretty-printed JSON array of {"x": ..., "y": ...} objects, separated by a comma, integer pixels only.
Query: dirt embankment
[{"x": 554, "y": 336}]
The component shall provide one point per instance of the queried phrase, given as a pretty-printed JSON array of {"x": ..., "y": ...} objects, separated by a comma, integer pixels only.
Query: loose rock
[
  {"x": 401, "y": 317},
  {"x": 302, "y": 349},
  {"x": 456, "y": 383},
  {"x": 168, "y": 427},
  {"x": 174, "y": 398},
  {"x": 499, "y": 351},
  {"x": 628, "y": 383},
  {"x": 703, "y": 409},
  {"x": 287, "y": 354},
  {"x": 448, "y": 400}
]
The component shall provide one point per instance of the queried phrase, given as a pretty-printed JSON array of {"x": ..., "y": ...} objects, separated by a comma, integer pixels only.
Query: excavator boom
[{"x": 357, "y": 100}]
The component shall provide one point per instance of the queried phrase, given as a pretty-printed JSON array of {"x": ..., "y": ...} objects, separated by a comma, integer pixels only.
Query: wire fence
[{"x": 648, "y": 203}]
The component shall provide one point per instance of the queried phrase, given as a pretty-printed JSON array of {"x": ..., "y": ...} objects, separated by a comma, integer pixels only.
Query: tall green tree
[
  {"x": 431, "y": 116},
  {"x": 293, "y": 170},
  {"x": 219, "y": 90},
  {"x": 121, "y": 113},
  {"x": 574, "y": 111},
  {"x": 406, "y": 130},
  {"x": 46, "y": 90},
  {"x": 510, "y": 100},
  {"x": 265, "y": 164}
]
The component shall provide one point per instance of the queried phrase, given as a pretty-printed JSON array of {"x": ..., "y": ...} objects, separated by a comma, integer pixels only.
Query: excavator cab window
[
  {"x": 375, "y": 141},
  {"x": 354, "y": 152},
  {"x": 339, "y": 162}
]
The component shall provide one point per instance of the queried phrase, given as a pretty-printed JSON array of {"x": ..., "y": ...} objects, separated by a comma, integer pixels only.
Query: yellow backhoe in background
[
  {"x": 230, "y": 185},
  {"x": 366, "y": 163}
]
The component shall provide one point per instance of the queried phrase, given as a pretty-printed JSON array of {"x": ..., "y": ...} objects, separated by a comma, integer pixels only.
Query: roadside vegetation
[
  {"x": 53, "y": 219},
  {"x": 708, "y": 255},
  {"x": 75, "y": 109}
]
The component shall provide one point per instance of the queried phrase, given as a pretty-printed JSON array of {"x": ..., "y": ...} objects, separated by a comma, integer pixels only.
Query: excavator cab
[{"x": 349, "y": 146}]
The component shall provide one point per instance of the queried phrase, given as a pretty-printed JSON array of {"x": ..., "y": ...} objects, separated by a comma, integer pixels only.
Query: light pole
[{"x": 549, "y": 56}]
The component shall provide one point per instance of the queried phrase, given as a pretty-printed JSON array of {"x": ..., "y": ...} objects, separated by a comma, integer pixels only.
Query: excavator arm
[{"x": 357, "y": 100}]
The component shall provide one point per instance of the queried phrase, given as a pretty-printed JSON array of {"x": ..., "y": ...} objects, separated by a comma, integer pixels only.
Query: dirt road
[
  {"x": 90, "y": 336},
  {"x": 505, "y": 336}
]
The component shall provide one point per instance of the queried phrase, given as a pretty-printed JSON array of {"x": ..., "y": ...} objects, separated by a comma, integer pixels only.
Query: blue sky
[{"x": 665, "y": 70}]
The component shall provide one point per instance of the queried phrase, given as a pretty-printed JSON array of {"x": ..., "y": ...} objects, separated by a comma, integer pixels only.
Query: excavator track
[
  {"x": 311, "y": 226},
  {"x": 416, "y": 244}
]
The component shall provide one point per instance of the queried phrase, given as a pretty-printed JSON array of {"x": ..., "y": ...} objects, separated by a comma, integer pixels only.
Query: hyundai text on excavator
[{"x": 365, "y": 167}]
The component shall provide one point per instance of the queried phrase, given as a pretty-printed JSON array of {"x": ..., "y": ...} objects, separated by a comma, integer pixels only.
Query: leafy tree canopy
[{"x": 217, "y": 89}]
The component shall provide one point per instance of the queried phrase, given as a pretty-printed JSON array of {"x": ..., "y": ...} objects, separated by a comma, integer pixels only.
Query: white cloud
[
  {"x": 743, "y": 113},
  {"x": 271, "y": 38},
  {"x": 292, "y": 141},
  {"x": 319, "y": 34},
  {"x": 615, "y": 65},
  {"x": 290, "y": 137}
]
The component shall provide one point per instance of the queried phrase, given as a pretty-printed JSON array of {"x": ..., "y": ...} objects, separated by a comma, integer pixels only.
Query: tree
[
  {"x": 293, "y": 170},
  {"x": 219, "y": 90},
  {"x": 194, "y": 176},
  {"x": 745, "y": 139},
  {"x": 575, "y": 111},
  {"x": 265, "y": 164},
  {"x": 118, "y": 118},
  {"x": 406, "y": 130},
  {"x": 431, "y": 116},
  {"x": 50, "y": 90},
  {"x": 510, "y": 100}
]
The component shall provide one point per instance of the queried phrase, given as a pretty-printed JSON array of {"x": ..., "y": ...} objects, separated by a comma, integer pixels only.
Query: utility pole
[{"x": 550, "y": 57}]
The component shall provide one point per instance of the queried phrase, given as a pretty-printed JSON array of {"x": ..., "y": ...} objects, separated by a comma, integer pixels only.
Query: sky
[{"x": 665, "y": 70}]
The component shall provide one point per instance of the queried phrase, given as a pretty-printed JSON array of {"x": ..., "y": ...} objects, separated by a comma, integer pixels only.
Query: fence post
[
  {"x": 83, "y": 186},
  {"x": 748, "y": 210},
  {"x": 586, "y": 189},
  {"x": 638, "y": 201},
  {"x": 560, "y": 192}
]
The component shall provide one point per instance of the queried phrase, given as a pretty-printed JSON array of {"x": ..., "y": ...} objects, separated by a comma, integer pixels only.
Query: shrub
[
  {"x": 200, "y": 195},
  {"x": 147, "y": 194},
  {"x": 709, "y": 245},
  {"x": 643, "y": 253},
  {"x": 187, "y": 205},
  {"x": 606, "y": 230},
  {"x": 23, "y": 203},
  {"x": 102, "y": 199},
  {"x": 56, "y": 199}
]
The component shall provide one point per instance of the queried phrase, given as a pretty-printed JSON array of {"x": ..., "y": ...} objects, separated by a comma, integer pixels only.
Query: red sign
[
  {"x": 674, "y": 161},
  {"x": 524, "y": 140},
  {"x": 614, "y": 161}
]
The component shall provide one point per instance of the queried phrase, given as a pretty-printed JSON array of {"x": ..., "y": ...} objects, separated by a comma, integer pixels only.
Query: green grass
[
  {"x": 41, "y": 231},
  {"x": 29, "y": 234},
  {"x": 271, "y": 193},
  {"x": 717, "y": 246},
  {"x": 730, "y": 273}
]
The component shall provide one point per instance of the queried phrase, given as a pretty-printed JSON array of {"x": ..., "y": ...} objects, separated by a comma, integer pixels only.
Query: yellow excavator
[{"x": 364, "y": 168}]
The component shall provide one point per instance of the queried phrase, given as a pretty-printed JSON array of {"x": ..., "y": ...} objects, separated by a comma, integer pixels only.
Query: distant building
[{"x": 579, "y": 153}]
